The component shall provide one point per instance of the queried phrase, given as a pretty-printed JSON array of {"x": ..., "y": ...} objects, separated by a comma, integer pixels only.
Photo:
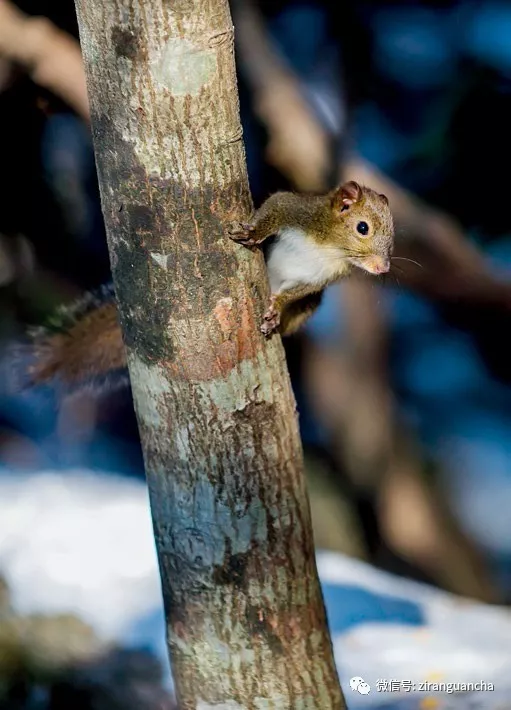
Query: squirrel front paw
[
  {"x": 271, "y": 320},
  {"x": 240, "y": 232}
]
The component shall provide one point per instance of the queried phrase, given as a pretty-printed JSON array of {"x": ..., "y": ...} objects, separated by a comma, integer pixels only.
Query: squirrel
[
  {"x": 316, "y": 241},
  {"x": 309, "y": 242}
]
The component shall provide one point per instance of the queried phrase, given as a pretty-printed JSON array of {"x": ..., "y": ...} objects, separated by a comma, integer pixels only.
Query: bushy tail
[{"x": 80, "y": 347}]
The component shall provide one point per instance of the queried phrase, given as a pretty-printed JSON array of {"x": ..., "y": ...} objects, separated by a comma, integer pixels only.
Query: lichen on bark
[{"x": 246, "y": 623}]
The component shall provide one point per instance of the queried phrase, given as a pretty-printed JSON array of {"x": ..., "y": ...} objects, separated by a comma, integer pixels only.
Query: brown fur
[
  {"x": 89, "y": 351},
  {"x": 331, "y": 221},
  {"x": 92, "y": 346},
  {"x": 298, "y": 312}
]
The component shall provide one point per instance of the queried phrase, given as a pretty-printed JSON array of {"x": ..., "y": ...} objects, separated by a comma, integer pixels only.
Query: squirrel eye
[{"x": 362, "y": 228}]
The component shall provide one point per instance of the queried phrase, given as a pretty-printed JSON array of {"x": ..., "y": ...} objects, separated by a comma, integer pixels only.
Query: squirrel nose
[
  {"x": 380, "y": 264},
  {"x": 383, "y": 265}
]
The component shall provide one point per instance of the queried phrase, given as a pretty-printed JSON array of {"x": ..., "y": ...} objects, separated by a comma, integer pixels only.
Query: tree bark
[{"x": 245, "y": 617}]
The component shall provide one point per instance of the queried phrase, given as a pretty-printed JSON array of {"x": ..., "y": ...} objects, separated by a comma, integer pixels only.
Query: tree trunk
[{"x": 245, "y": 617}]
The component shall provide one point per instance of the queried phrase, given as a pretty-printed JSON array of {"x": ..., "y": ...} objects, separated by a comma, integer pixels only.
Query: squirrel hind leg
[{"x": 295, "y": 315}]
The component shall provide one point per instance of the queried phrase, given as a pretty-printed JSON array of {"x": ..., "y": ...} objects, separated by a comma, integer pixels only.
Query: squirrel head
[{"x": 363, "y": 221}]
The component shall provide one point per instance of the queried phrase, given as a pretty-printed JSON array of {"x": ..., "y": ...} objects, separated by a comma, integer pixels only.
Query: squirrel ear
[
  {"x": 384, "y": 198},
  {"x": 346, "y": 195}
]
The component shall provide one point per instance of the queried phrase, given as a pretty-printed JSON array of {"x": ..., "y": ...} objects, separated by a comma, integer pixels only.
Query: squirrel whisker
[{"x": 404, "y": 258}]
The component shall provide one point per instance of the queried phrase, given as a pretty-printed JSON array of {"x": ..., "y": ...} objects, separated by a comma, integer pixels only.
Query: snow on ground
[{"x": 81, "y": 542}]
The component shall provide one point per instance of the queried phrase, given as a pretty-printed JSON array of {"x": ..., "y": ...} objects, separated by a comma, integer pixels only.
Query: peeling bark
[{"x": 245, "y": 617}]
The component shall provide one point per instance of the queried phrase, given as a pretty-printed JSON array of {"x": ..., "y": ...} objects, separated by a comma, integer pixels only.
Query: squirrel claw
[
  {"x": 271, "y": 321},
  {"x": 267, "y": 330},
  {"x": 239, "y": 232},
  {"x": 246, "y": 242}
]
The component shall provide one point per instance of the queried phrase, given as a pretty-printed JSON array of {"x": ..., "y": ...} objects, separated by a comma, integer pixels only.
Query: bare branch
[{"x": 50, "y": 56}]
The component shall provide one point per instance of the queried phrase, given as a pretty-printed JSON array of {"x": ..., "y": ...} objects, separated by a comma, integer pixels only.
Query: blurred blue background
[{"x": 419, "y": 91}]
